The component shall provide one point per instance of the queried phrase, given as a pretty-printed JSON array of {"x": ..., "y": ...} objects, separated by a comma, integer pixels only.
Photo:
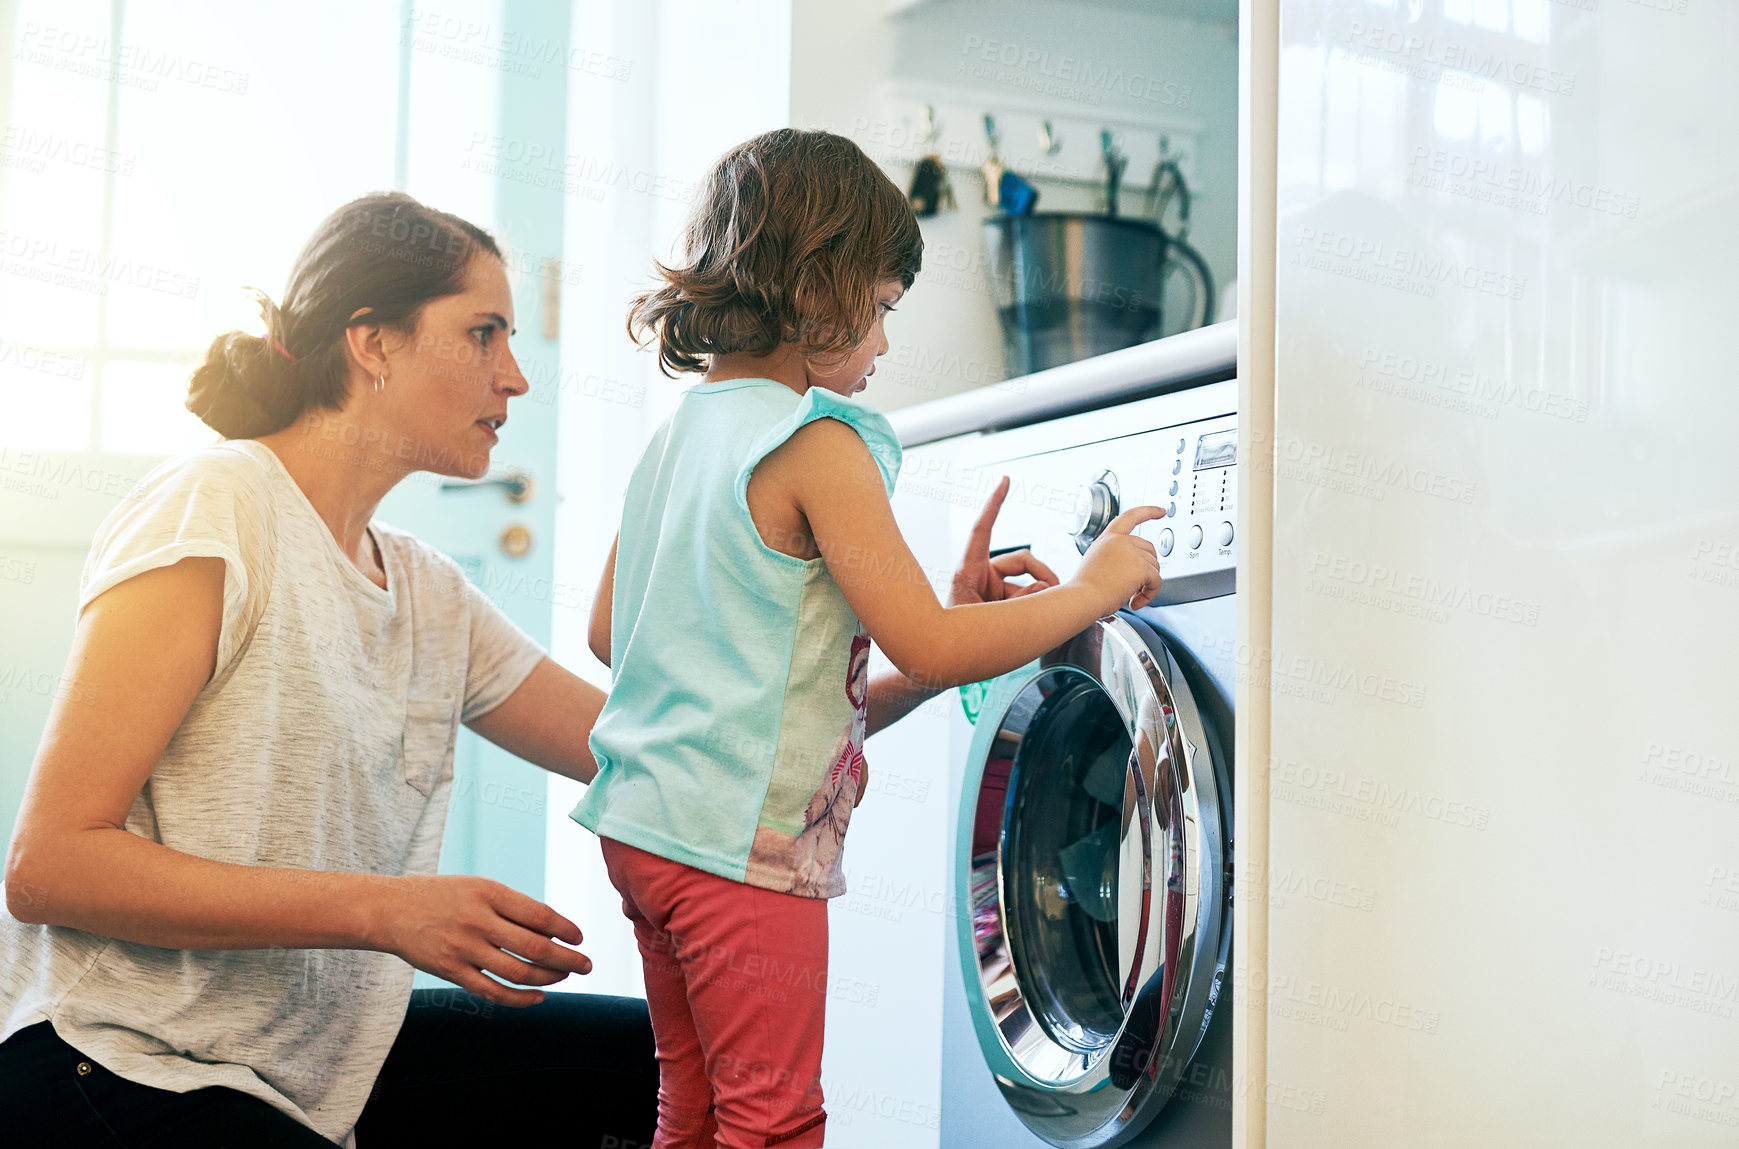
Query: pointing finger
[
  {"x": 1134, "y": 517},
  {"x": 979, "y": 541}
]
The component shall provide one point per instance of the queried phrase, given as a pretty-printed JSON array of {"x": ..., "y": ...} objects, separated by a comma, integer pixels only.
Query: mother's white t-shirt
[{"x": 324, "y": 741}]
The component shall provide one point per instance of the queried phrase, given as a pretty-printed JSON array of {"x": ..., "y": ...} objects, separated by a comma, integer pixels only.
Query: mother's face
[{"x": 449, "y": 381}]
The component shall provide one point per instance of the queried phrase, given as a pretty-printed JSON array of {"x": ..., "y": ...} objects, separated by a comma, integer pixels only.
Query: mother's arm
[
  {"x": 141, "y": 653},
  {"x": 548, "y": 720}
]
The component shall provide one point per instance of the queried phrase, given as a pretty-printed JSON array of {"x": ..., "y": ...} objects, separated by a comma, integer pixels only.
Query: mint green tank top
[{"x": 732, "y": 740}]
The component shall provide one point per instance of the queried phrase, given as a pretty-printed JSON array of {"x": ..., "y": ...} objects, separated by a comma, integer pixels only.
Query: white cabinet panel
[{"x": 1504, "y": 770}]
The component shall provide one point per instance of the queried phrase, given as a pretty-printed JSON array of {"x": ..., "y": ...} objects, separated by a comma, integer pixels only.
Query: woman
[
  {"x": 223, "y": 871},
  {"x": 224, "y": 866}
]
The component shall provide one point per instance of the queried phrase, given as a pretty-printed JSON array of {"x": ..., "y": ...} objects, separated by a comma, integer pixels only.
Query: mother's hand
[
  {"x": 458, "y": 927},
  {"x": 982, "y": 578}
]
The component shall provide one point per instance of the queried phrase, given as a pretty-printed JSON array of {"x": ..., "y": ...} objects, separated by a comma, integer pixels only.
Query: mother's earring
[{"x": 380, "y": 382}]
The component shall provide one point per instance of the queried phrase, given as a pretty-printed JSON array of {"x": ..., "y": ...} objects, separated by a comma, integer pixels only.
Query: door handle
[{"x": 516, "y": 483}]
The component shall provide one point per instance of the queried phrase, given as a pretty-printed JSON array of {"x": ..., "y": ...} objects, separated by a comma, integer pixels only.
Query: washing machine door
[{"x": 1093, "y": 859}]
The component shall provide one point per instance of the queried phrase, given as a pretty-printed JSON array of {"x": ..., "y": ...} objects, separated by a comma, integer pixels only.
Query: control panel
[
  {"x": 1189, "y": 470},
  {"x": 1062, "y": 499}
]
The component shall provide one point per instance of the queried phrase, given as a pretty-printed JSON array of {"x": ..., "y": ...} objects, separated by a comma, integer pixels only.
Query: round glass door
[{"x": 1091, "y": 855}]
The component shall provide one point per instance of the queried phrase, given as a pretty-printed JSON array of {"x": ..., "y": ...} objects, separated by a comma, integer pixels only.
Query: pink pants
[{"x": 736, "y": 980}]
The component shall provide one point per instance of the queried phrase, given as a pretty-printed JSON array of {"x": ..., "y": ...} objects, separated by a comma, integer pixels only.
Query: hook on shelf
[
  {"x": 930, "y": 191},
  {"x": 1168, "y": 184},
  {"x": 992, "y": 168},
  {"x": 929, "y": 128},
  {"x": 1115, "y": 162}
]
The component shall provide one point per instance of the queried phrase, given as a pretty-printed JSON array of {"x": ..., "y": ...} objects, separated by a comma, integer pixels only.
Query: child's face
[{"x": 853, "y": 373}]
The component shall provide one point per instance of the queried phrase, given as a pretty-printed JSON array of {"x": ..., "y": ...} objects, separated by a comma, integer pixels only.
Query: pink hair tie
[{"x": 280, "y": 347}]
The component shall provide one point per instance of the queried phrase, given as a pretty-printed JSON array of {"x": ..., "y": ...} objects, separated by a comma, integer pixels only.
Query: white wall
[
  {"x": 1503, "y": 782},
  {"x": 866, "y": 75}
]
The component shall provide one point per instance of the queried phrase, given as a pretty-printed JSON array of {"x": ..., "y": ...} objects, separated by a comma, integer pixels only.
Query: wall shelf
[{"x": 960, "y": 141}]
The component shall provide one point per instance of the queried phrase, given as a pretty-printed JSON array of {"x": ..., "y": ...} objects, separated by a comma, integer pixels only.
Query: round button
[
  {"x": 1176, "y": 466},
  {"x": 1225, "y": 534},
  {"x": 84, "y": 1069},
  {"x": 1171, "y": 510},
  {"x": 1173, "y": 487},
  {"x": 1165, "y": 542},
  {"x": 1180, "y": 446},
  {"x": 1195, "y": 538}
]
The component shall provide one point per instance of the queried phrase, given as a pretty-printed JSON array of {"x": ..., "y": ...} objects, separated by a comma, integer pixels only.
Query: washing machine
[{"x": 1086, "y": 993}]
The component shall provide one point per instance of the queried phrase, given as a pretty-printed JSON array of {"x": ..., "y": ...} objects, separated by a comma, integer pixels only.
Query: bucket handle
[{"x": 1177, "y": 253}]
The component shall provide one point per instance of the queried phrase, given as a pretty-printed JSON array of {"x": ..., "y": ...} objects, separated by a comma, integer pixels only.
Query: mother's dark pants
[{"x": 577, "y": 1070}]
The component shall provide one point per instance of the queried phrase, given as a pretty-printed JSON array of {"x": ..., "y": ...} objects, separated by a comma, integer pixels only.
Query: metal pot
[{"x": 1070, "y": 285}]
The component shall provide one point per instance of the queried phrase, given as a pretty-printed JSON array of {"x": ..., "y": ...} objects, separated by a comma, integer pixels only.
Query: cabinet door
[{"x": 1501, "y": 776}]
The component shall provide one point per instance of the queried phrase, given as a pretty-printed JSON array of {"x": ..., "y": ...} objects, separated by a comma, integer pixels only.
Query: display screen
[{"x": 1217, "y": 450}]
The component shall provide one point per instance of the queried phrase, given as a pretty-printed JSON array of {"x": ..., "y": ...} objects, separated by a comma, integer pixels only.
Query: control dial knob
[{"x": 1095, "y": 507}]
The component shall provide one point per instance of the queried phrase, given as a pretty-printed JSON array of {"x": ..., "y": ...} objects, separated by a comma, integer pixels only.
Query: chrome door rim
[{"x": 1099, "y": 1091}]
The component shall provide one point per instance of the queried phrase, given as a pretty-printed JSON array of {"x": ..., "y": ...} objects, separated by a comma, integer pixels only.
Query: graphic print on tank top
[{"x": 810, "y": 861}]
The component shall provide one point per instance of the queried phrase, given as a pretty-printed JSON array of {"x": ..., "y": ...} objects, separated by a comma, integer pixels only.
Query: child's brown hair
[{"x": 789, "y": 238}]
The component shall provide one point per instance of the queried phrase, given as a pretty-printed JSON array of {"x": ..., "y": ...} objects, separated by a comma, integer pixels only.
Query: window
[{"x": 156, "y": 159}]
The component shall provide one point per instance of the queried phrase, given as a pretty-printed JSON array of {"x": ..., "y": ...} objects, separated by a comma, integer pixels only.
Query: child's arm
[
  {"x": 598, "y": 631},
  {"x": 839, "y": 491},
  {"x": 979, "y": 578}
]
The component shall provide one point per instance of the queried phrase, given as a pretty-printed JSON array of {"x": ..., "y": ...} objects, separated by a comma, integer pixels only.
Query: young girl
[{"x": 757, "y": 548}]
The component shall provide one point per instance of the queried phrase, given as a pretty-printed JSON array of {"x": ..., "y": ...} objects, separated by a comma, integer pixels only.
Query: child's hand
[
  {"x": 840, "y": 492},
  {"x": 982, "y": 578},
  {"x": 1122, "y": 567}
]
